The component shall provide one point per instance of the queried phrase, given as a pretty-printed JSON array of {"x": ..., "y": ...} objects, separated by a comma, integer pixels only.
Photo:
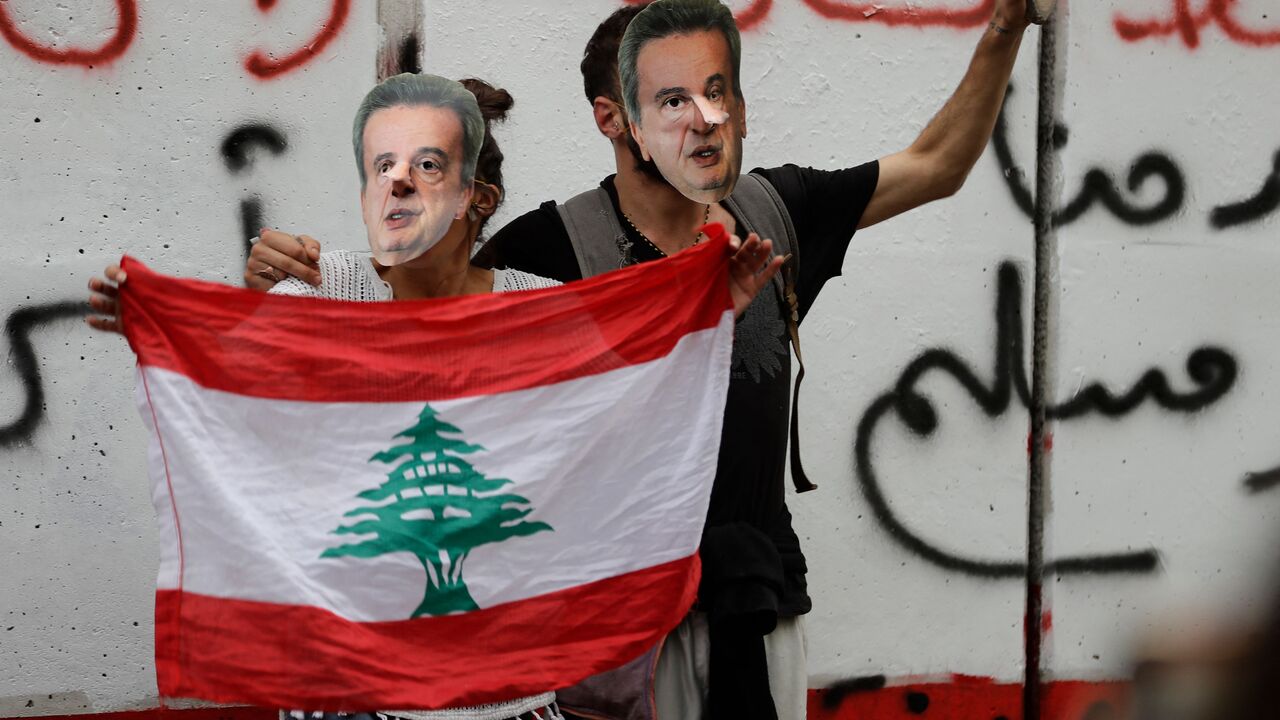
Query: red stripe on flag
[
  {"x": 280, "y": 347},
  {"x": 297, "y": 657}
]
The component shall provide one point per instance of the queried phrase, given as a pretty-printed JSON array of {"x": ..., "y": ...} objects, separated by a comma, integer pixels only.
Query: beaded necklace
[{"x": 706, "y": 216}]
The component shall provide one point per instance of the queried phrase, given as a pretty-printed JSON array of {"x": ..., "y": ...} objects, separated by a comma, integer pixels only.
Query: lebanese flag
[{"x": 426, "y": 504}]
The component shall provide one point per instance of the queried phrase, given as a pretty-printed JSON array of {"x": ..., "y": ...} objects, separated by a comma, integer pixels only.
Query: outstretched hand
[
  {"x": 104, "y": 297},
  {"x": 751, "y": 268}
]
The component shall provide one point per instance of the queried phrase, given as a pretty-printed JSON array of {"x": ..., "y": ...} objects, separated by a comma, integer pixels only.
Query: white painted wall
[
  {"x": 126, "y": 158},
  {"x": 1139, "y": 297}
]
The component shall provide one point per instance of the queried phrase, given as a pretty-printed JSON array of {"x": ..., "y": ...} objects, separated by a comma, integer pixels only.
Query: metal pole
[{"x": 1044, "y": 301}]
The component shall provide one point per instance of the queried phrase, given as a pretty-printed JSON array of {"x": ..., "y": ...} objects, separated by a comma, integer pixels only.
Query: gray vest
[{"x": 601, "y": 245}]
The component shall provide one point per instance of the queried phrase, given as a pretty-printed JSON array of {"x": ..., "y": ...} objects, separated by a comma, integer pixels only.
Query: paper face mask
[
  {"x": 691, "y": 121},
  {"x": 413, "y": 189}
]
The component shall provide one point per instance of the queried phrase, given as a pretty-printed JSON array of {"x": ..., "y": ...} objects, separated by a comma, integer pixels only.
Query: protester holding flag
[{"x": 418, "y": 143}]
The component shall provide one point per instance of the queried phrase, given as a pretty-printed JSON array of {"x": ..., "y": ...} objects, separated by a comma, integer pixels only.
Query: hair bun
[{"x": 494, "y": 102}]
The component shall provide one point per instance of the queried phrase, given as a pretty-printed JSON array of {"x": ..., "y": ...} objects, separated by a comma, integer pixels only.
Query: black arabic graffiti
[
  {"x": 1098, "y": 186},
  {"x": 18, "y": 331},
  {"x": 1262, "y": 481},
  {"x": 1211, "y": 369},
  {"x": 238, "y": 153},
  {"x": 836, "y": 693},
  {"x": 1265, "y": 202}
]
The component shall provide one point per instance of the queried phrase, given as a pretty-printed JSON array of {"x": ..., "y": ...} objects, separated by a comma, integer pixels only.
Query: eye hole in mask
[
  {"x": 423, "y": 169},
  {"x": 679, "y": 108}
]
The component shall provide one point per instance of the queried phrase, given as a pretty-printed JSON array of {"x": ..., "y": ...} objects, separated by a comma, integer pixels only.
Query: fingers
[
  {"x": 754, "y": 253},
  {"x": 103, "y": 304},
  {"x": 104, "y": 324},
  {"x": 103, "y": 298},
  {"x": 100, "y": 286},
  {"x": 277, "y": 255},
  {"x": 254, "y": 281},
  {"x": 311, "y": 246},
  {"x": 775, "y": 264},
  {"x": 284, "y": 243}
]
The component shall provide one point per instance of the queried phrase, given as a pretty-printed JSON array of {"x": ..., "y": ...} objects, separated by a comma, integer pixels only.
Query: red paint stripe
[
  {"x": 236, "y": 651},
  {"x": 272, "y": 346},
  {"x": 960, "y": 17},
  {"x": 1061, "y": 700}
]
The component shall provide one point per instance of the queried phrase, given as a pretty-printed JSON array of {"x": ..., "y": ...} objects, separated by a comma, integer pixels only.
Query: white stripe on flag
[{"x": 619, "y": 464}]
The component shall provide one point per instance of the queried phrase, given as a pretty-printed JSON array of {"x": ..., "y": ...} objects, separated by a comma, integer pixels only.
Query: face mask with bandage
[{"x": 413, "y": 193}]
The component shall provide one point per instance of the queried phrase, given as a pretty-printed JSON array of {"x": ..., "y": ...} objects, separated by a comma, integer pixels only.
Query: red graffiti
[
  {"x": 264, "y": 66},
  {"x": 746, "y": 18},
  {"x": 963, "y": 17},
  {"x": 126, "y": 28},
  {"x": 1187, "y": 24},
  {"x": 753, "y": 14}
]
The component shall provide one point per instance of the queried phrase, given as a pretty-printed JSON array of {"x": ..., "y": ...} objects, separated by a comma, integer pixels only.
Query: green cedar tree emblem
[{"x": 440, "y": 509}]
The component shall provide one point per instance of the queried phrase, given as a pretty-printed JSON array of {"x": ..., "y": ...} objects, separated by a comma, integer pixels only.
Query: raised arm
[{"x": 937, "y": 163}]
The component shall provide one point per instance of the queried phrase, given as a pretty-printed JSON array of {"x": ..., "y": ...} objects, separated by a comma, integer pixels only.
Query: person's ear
[
  {"x": 742, "y": 108},
  {"x": 485, "y": 198},
  {"x": 611, "y": 119}
]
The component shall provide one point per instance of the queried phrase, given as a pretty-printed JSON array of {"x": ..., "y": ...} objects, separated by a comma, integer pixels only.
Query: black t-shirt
[{"x": 825, "y": 208}]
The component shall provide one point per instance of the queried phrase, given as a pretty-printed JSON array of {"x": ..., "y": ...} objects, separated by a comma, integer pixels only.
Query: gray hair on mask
[
  {"x": 410, "y": 90},
  {"x": 666, "y": 18}
]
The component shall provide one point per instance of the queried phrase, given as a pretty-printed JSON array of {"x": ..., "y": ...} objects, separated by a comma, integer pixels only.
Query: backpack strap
[
  {"x": 599, "y": 242},
  {"x": 759, "y": 207}
]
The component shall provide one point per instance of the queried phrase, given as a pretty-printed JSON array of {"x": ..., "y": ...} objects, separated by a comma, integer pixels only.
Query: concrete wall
[{"x": 171, "y": 140}]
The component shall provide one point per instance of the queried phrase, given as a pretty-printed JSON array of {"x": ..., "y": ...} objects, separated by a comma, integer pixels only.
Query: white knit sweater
[{"x": 347, "y": 275}]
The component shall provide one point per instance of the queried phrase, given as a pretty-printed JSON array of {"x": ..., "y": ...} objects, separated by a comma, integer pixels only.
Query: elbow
[
  {"x": 950, "y": 181},
  {"x": 943, "y": 174},
  {"x": 943, "y": 186}
]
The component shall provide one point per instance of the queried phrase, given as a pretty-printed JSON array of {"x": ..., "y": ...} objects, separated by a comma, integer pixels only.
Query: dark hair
[
  {"x": 408, "y": 89},
  {"x": 667, "y": 18},
  {"x": 494, "y": 104},
  {"x": 600, "y": 58}
]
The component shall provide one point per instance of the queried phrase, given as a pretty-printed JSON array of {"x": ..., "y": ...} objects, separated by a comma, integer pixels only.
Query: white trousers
[{"x": 680, "y": 683}]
